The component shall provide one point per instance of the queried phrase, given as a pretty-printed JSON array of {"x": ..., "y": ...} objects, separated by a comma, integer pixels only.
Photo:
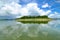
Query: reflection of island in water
[
  {"x": 34, "y": 19},
  {"x": 38, "y": 22}
]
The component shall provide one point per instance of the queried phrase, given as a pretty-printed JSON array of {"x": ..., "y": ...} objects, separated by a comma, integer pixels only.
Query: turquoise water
[{"x": 13, "y": 30}]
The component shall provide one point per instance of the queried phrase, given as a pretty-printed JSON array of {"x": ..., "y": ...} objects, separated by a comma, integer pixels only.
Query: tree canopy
[{"x": 28, "y": 17}]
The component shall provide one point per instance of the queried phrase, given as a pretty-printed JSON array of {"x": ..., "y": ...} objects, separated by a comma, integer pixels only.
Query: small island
[{"x": 34, "y": 19}]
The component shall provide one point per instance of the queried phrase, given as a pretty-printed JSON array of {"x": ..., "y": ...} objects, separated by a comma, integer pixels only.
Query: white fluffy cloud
[
  {"x": 12, "y": 8},
  {"x": 55, "y": 15},
  {"x": 9, "y": 1},
  {"x": 34, "y": 10},
  {"x": 45, "y": 5}
]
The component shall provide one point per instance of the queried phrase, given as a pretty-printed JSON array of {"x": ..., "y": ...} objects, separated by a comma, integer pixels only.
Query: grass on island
[{"x": 41, "y": 19}]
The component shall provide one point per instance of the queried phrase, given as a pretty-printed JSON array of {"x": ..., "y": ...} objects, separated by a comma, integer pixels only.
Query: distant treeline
[{"x": 28, "y": 17}]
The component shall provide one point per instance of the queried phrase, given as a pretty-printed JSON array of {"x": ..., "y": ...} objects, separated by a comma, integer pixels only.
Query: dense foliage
[{"x": 28, "y": 17}]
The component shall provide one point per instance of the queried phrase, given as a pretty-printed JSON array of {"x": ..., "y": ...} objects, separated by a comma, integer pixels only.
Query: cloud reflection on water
[{"x": 14, "y": 30}]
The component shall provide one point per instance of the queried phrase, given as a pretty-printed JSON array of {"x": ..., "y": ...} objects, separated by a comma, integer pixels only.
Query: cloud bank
[
  {"x": 55, "y": 15},
  {"x": 12, "y": 8}
]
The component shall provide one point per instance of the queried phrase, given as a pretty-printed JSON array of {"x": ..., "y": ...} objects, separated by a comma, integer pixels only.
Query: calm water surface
[{"x": 13, "y": 30}]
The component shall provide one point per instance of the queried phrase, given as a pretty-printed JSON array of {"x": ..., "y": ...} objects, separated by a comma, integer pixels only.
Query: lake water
[{"x": 13, "y": 30}]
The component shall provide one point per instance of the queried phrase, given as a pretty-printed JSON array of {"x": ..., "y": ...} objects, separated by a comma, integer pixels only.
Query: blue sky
[
  {"x": 18, "y": 8},
  {"x": 55, "y": 5}
]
